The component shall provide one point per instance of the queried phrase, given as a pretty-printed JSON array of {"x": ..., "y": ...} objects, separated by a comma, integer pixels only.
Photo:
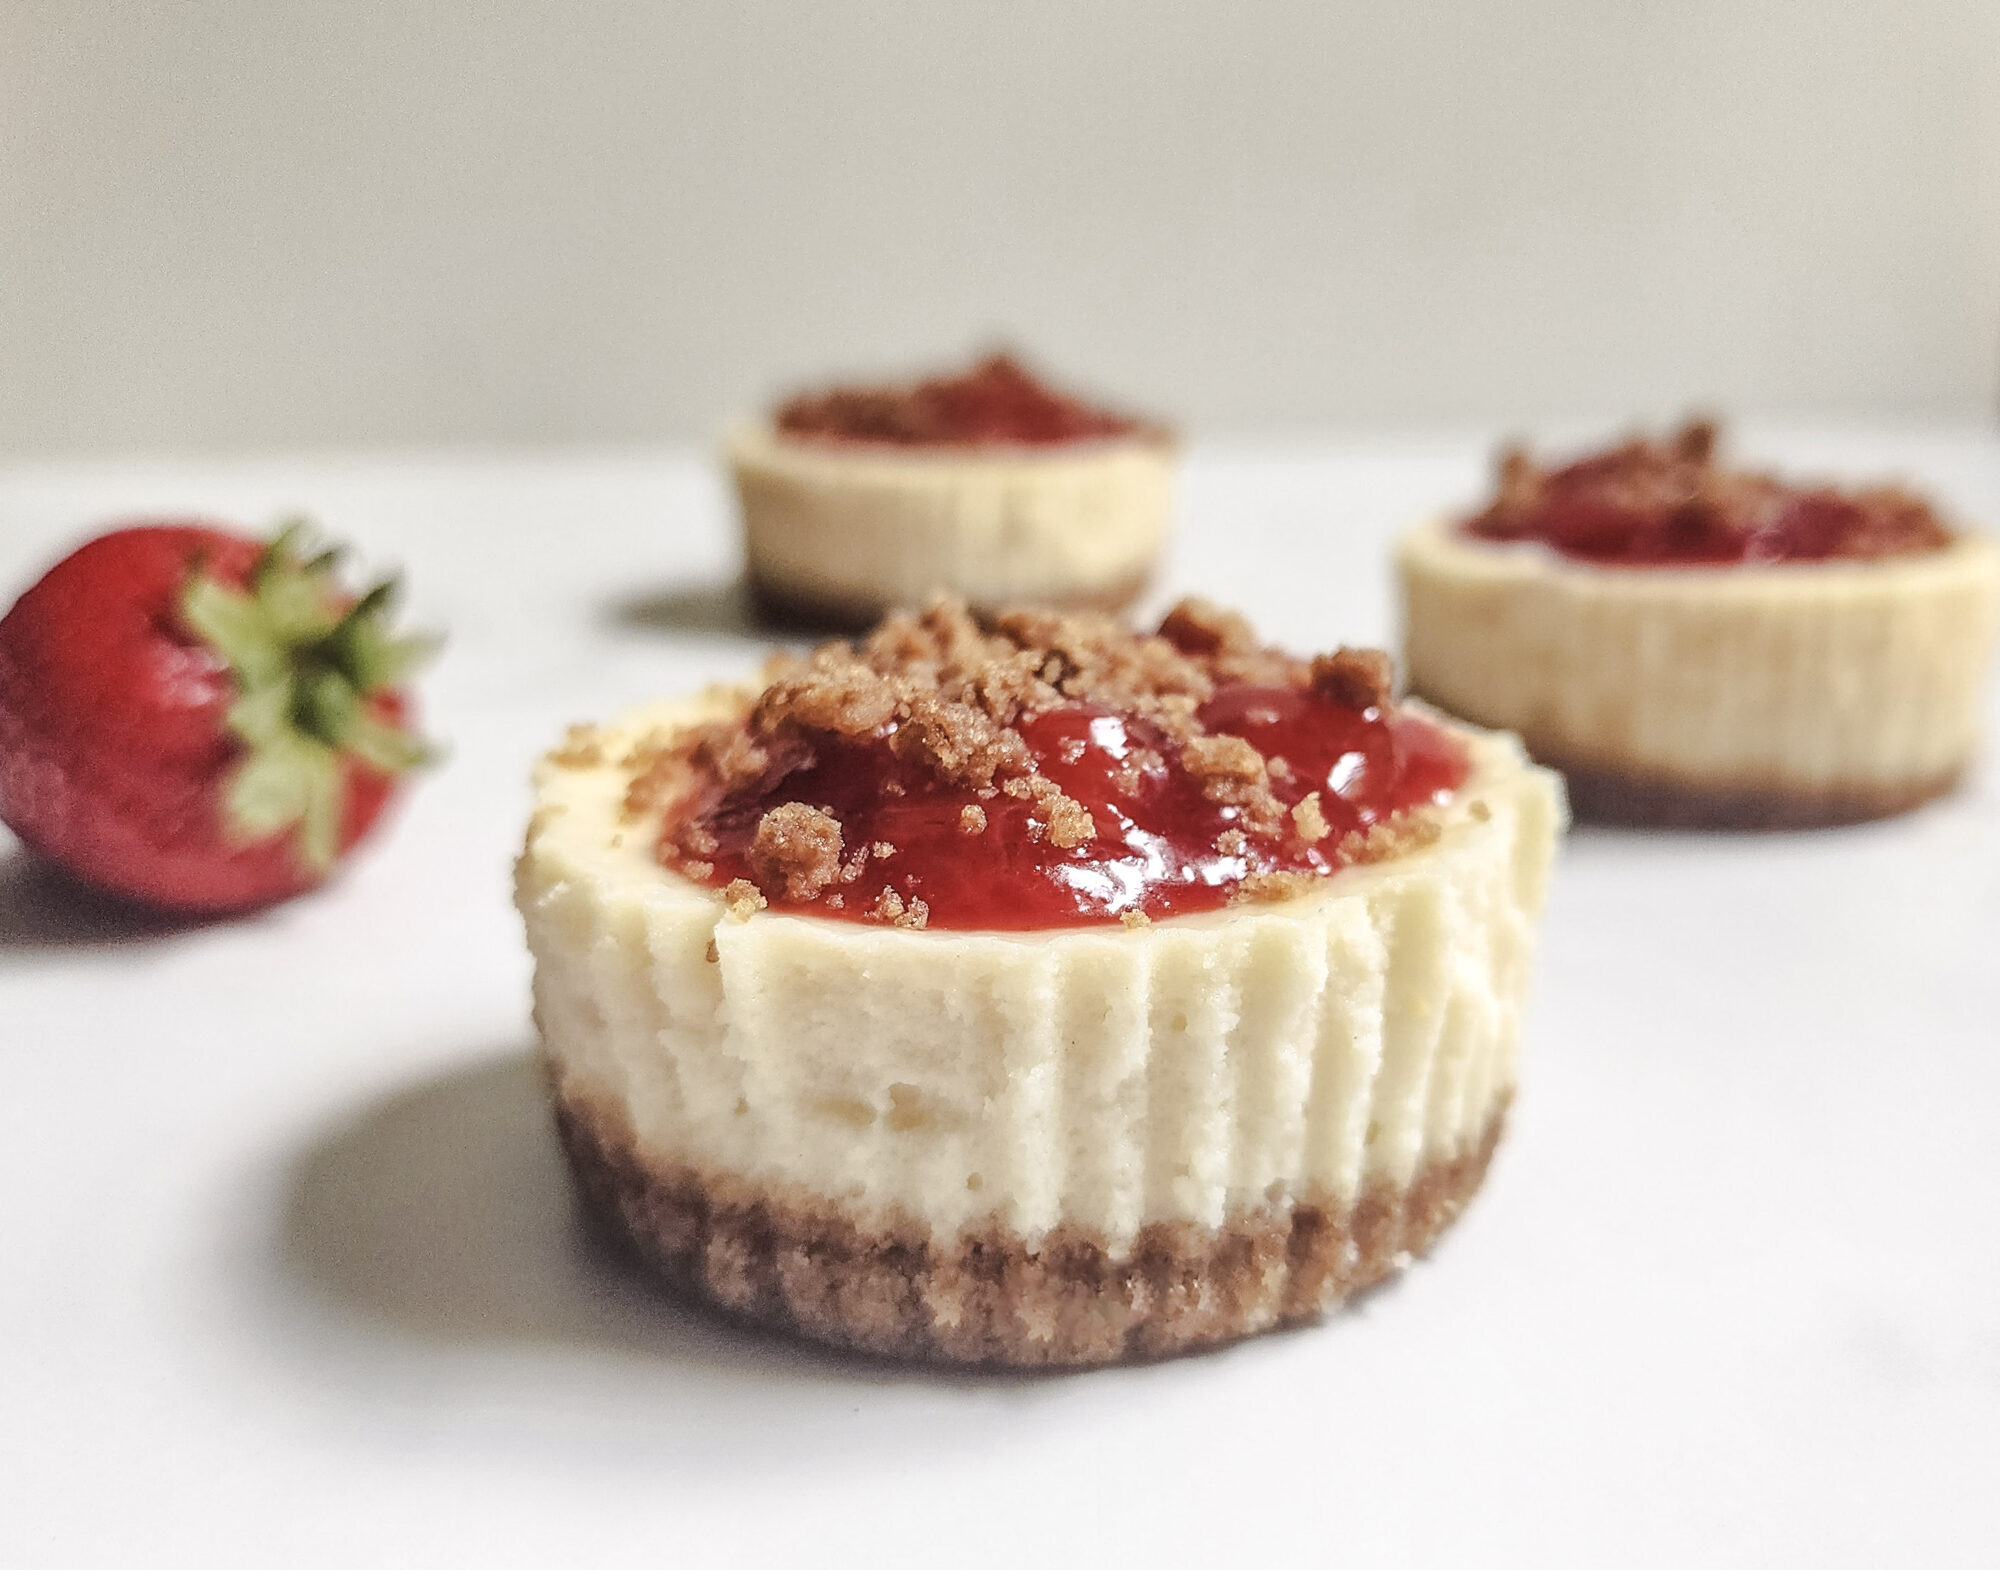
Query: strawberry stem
[{"x": 306, "y": 662}]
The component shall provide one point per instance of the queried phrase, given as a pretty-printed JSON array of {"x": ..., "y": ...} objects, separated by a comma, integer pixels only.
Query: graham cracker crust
[
  {"x": 780, "y": 605},
  {"x": 803, "y": 1266},
  {"x": 1641, "y": 801}
]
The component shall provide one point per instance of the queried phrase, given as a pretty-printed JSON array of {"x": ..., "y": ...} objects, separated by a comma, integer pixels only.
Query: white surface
[
  {"x": 262, "y": 222},
  {"x": 289, "y": 1274}
]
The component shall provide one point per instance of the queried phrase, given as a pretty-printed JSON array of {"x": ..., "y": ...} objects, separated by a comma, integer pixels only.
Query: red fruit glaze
[
  {"x": 996, "y": 402},
  {"x": 1155, "y": 848},
  {"x": 112, "y": 736},
  {"x": 1647, "y": 503}
]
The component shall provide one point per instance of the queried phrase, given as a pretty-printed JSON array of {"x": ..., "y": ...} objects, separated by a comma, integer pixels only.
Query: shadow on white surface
[
  {"x": 433, "y": 1272},
  {"x": 444, "y": 1213},
  {"x": 439, "y": 1226},
  {"x": 41, "y": 909},
  {"x": 709, "y": 608}
]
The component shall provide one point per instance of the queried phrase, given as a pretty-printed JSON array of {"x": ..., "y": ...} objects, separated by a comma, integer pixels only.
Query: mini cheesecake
[
  {"x": 1029, "y": 991},
  {"x": 1699, "y": 646},
  {"x": 987, "y": 484}
]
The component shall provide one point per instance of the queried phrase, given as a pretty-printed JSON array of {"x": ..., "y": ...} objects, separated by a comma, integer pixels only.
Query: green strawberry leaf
[
  {"x": 273, "y": 787},
  {"x": 319, "y": 830},
  {"x": 236, "y": 626},
  {"x": 305, "y": 663},
  {"x": 385, "y": 748},
  {"x": 326, "y": 705},
  {"x": 379, "y": 660},
  {"x": 262, "y": 715}
]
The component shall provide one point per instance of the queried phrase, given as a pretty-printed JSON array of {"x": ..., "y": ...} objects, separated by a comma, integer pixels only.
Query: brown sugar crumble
[
  {"x": 796, "y": 851},
  {"x": 998, "y": 400},
  {"x": 1069, "y": 821},
  {"x": 1227, "y": 768},
  {"x": 743, "y": 898},
  {"x": 1360, "y": 678},
  {"x": 1061, "y": 755},
  {"x": 892, "y": 908},
  {"x": 1647, "y": 502}
]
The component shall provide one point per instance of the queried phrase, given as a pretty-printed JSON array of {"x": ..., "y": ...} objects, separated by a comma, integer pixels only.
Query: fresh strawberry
[{"x": 200, "y": 721}]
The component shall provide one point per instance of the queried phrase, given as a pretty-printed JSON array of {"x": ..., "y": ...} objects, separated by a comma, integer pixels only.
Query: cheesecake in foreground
[
  {"x": 1703, "y": 646},
  {"x": 1024, "y": 990}
]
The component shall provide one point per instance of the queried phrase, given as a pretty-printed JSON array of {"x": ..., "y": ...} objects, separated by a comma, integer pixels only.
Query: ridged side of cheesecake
[
  {"x": 849, "y": 529},
  {"x": 1098, "y": 1079},
  {"x": 1806, "y": 690}
]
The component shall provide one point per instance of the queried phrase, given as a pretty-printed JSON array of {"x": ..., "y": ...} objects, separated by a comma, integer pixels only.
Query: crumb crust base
[
  {"x": 786, "y": 606},
  {"x": 1638, "y": 800},
  {"x": 801, "y": 1265}
]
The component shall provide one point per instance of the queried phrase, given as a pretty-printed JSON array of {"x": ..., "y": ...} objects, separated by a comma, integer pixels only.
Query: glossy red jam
[
  {"x": 1155, "y": 850},
  {"x": 1669, "y": 504},
  {"x": 996, "y": 402}
]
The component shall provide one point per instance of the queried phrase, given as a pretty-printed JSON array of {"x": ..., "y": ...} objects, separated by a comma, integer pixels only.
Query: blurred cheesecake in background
[
  {"x": 1704, "y": 646},
  {"x": 987, "y": 484}
]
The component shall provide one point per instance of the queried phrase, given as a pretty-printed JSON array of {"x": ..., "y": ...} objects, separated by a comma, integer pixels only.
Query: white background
[
  {"x": 288, "y": 1274},
  {"x": 249, "y": 224}
]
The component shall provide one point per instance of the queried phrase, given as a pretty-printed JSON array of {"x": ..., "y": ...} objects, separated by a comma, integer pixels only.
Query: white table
[{"x": 290, "y": 1276}]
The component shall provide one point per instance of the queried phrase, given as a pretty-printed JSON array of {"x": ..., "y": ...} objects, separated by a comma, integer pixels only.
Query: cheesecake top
[
  {"x": 1031, "y": 770},
  {"x": 1671, "y": 503},
  {"x": 998, "y": 402}
]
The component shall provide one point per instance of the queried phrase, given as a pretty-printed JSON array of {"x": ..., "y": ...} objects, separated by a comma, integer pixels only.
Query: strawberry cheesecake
[
  {"x": 988, "y": 484},
  {"x": 1698, "y": 645},
  {"x": 1021, "y": 989}
]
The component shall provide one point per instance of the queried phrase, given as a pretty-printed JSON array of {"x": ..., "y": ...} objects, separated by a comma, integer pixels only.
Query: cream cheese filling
[
  {"x": 1806, "y": 676},
  {"x": 1100, "y": 1077},
  {"x": 860, "y": 525}
]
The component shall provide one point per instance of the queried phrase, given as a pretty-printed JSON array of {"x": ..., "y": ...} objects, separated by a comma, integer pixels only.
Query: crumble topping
[
  {"x": 1002, "y": 720},
  {"x": 796, "y": 850},
  {"x": 890, "y": 906},
  {"x": 1069, "y": 821},
  {"x": 744, "y": 899},
  {"x": 1673, "y": 501},
  {"x": 997, "y": 401},
  {"x": 1360, "y": 678}
]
